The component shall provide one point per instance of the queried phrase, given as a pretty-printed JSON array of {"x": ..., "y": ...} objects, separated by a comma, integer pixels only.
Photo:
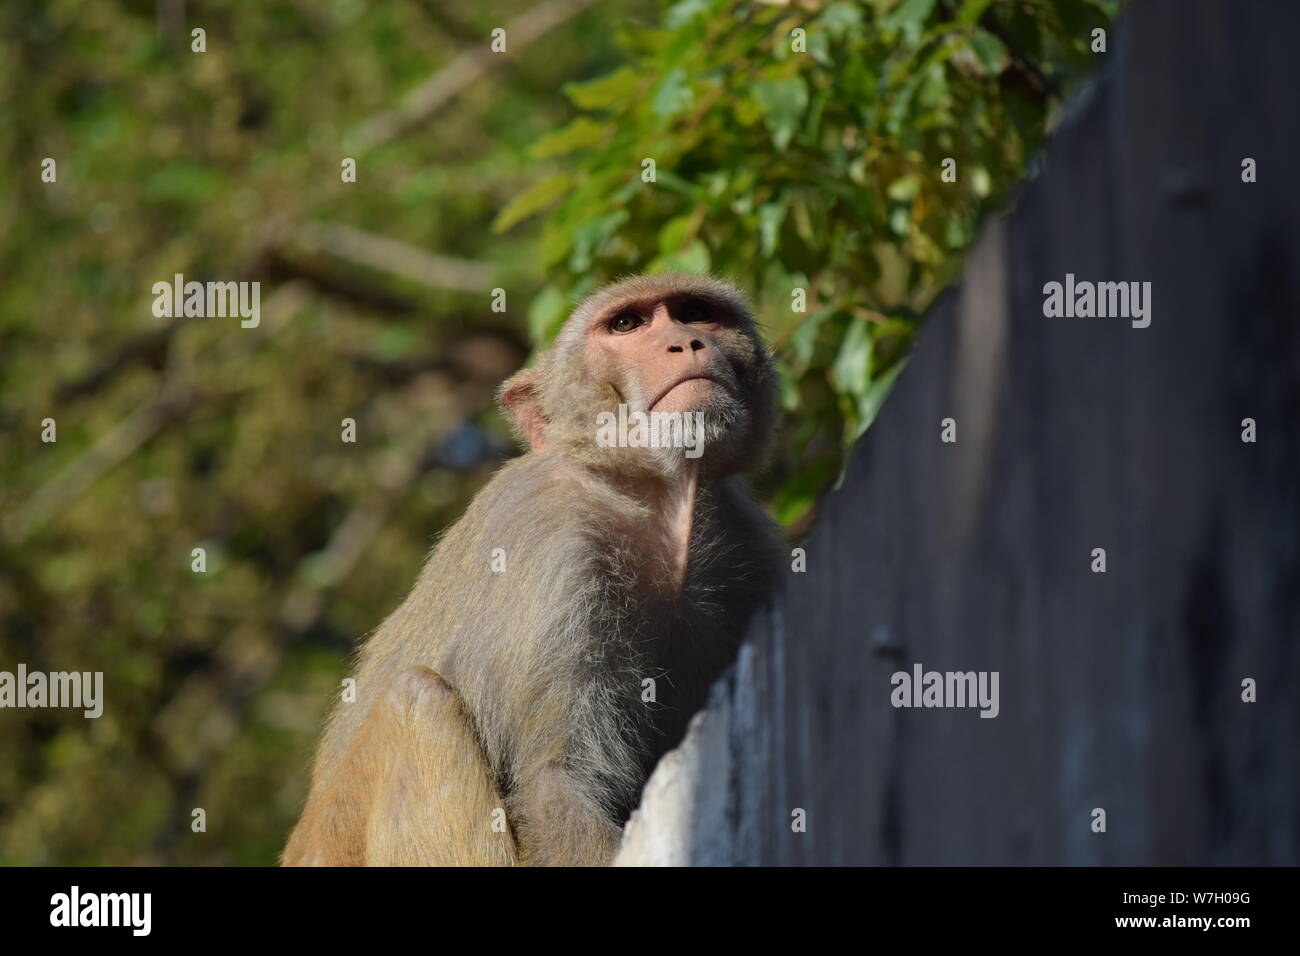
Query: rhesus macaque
[{"x": 564, "y": 631}]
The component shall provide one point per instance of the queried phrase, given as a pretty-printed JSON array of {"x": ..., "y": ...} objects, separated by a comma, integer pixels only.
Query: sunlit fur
[{"x": 549, "y": 656}]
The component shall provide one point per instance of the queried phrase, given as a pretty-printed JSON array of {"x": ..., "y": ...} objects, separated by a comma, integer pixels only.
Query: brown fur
[{"x": 621, "y": 564}]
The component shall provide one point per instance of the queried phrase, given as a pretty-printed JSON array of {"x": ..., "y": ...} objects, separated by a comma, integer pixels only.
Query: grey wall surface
[{"x": 1120, "y": 690}]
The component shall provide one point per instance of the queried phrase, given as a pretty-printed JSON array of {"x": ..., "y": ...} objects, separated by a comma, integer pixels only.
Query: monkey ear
[{"x": 521, "y": 400}]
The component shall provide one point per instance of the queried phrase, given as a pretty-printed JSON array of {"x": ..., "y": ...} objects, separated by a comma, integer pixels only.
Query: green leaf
[
  {"x": 795, "y": 498},
  {"x": 582, "y": 133},
  {"x": 839, "y": 19},
  {"x": 591, "y": 236},
  {"x": 819, "y": 46},
  {"x": 787, "y": 389},
  {"x": 672, "y": 237},
  {"x": 903, "y": 189},
  {"x": 989, "y": 52},
  {"x": 613, "y": 89},
  {"x": 672, "y": 95},
  {"x": 783, "y": 103},
  {"x": 803, "y": 339},
  {"x": 869, "y": 401},
  {"x": 679, "y": 14},
  {"x": 546, "y": 313},
  {"x": 900, "y": 221},
  {"x": 972, "y": 10},
  {"x": 532, "y": 200},
  {"x": 694, "y": 259},
  {"x": 909, "y": 17},
  {"x": 851, "y": 370},
  {"x": 770, "y": 217},
  {"x": 670, "y": 180}
]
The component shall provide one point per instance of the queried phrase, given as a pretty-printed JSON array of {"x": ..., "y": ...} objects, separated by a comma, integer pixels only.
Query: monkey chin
[
  {"x": 722, "y": 446},
  {"x": 692, "y": 395}
]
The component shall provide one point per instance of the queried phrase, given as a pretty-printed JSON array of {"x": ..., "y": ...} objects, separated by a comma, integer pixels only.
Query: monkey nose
[{"x": 695, "y": 345}]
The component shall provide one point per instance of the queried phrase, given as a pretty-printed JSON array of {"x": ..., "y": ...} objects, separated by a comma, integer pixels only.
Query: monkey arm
[{"x": 431, "y": 802}]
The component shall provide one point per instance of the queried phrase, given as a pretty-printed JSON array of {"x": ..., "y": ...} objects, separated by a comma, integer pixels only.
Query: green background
[{"x": 815, "y": 168}]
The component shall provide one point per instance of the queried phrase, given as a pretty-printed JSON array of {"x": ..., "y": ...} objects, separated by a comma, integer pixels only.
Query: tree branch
[
  {"x": 393, "y": 256},
  {"x": 422, "y": 103}
]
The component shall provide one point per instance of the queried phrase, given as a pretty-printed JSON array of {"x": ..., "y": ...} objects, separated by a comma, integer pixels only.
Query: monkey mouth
[{"x": 691, "y": 389}]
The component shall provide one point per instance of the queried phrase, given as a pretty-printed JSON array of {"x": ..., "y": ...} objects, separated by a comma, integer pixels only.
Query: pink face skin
[{"x": 672, "y": 345}]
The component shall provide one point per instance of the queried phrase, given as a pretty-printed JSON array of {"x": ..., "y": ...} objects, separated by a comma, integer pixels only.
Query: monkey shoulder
[{"x": 532, "y": 520}]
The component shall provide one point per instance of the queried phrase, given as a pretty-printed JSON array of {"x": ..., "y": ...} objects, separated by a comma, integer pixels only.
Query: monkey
[{"x": 563, "y": 632}]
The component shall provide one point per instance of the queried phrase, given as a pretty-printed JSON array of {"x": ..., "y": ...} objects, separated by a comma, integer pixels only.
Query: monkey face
[
  {"x": 667, "y": 356},
  {"x": 678, "y": 355}
]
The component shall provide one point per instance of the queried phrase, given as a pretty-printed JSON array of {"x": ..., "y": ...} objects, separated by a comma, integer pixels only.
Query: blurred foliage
[
  {"x": 816, "y": 170},
  {"x": 799, "y": 146},
  {"x": 176, "y": 434}
]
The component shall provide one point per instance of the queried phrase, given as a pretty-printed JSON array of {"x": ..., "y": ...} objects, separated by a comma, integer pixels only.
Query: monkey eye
[{"x": 625, "y": 322}]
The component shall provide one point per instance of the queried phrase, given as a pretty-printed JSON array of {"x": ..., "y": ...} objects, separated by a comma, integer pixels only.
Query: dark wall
[{"x": 1120, "y": 690}]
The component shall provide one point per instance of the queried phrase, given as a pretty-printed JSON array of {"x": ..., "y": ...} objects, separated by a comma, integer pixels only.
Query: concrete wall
[{"x": 1119, "y": 690}]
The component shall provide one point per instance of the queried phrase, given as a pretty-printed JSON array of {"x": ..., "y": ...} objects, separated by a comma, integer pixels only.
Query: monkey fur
[{"x": 511, "y": 715}]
